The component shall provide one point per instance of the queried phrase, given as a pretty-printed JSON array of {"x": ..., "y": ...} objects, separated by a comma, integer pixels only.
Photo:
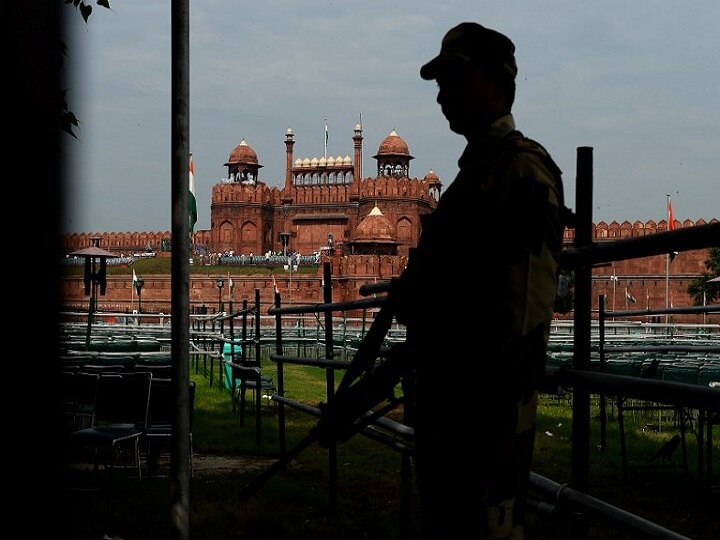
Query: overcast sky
[{"x": 637, "y": 81}]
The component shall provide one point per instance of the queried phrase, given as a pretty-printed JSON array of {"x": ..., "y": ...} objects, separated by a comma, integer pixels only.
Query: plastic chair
[
  {"x": 119, "y": 420},
  {"x": 160, "y": 420},
  {"x": 78, "y": 392}
]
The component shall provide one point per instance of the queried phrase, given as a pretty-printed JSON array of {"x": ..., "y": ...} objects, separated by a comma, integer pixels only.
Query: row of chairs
[
  {"x": 159, "y": 365},
  {"x": 114, "y": 414},
  {"x": 111, "y": 345}
]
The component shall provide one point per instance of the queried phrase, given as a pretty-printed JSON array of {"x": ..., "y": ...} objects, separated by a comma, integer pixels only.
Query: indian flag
[
  {"x": 326, "y": 138},
  {"x": 192, "y": 202},
  {"x": 629, "y": 297}
]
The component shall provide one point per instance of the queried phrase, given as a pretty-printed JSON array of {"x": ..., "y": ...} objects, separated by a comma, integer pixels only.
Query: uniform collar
[{"x": 498, "y": 130}]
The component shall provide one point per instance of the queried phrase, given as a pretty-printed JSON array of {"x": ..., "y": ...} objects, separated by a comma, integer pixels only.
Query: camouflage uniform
[{"x": 481, "y": 280}]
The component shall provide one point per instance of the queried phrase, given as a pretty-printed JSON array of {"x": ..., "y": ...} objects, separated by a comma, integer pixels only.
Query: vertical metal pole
[
  {"x": 258, "y": 383},
  {"x": 281, "y": 378},
  {"x": 180, "y": 330},
  {"x": 91, "y": 306},
  {"x": 223, "y": 370},
  {"x": 603, "y": 366},
  {"x": 330, "y": 378},
  {"x": 667, "y": 287},
  {"x": 257, "y": 326},
  {"x": 240, "y": 398},
  {"x": 579, "y": 468},
  {"x": 667, "y": 265},
  {"x": 614, "y": 287}
]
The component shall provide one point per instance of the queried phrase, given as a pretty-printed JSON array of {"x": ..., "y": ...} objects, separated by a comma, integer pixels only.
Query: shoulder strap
[{"x": 518, "y": 142}]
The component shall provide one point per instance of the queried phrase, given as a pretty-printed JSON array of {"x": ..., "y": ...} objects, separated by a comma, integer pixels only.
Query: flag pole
[
  {"x": 626, "y": 299},
  {"x": 667, "y": 259},
  {"x": 614, "y": 282}
]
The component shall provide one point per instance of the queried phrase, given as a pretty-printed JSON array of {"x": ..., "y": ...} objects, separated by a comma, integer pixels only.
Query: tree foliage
[
  {"x": 68, "y": 120},
  {"x": 85, "y": 8},
  {"x": 702, "y": 291}
]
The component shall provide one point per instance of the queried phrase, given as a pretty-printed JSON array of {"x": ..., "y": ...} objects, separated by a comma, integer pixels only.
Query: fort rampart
[{"x": 646, "y": 280}]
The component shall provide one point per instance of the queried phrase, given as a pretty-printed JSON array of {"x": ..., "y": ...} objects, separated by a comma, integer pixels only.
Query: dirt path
[{"x": 208, "y": 465}]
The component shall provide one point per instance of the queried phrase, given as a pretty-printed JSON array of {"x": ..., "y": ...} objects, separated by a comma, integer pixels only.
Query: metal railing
[{"x": 579, "y": 258}]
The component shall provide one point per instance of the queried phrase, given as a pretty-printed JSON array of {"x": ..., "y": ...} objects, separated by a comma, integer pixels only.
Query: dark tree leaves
[
  {"x": 699, "y": 288},
  {"x": 68, "y": 120},
  {"x": 85, "y": 11}
]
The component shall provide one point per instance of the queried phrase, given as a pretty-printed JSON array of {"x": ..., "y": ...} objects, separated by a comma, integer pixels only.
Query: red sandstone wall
[
  {"x": 136, "y": 241},
  {"x": 645, "y": 279}
]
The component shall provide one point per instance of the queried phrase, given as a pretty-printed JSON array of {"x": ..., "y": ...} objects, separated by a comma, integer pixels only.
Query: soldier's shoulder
[
  {"x": 522, "y": 143},
  {"x": 531, "y": 150}
]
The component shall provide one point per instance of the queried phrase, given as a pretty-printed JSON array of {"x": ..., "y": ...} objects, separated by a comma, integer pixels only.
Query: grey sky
[{"x": 637, "y": 81}]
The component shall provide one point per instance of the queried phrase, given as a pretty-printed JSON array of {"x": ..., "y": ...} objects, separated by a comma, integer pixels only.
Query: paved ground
[
  {"x": 206, "y": 465},
  {"x": 203, "y": 464}
]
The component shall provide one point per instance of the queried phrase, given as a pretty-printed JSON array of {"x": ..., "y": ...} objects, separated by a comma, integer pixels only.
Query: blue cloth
[{"x": 228, "y": 356}]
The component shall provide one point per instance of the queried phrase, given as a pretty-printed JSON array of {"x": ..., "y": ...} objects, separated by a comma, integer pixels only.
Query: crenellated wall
[
  {"x": 124, "y": 243},
  {"x": 399, "y": 212}
]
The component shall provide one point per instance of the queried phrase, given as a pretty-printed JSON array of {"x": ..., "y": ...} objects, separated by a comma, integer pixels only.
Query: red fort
[{"x": 370, "y": 222}]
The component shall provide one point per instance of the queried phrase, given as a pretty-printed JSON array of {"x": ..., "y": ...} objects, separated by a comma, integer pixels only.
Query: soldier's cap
[{"x": 470, "y": 43}]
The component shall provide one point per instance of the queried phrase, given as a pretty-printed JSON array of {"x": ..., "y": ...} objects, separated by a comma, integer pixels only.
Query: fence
[{"x": 578, "y": 375}]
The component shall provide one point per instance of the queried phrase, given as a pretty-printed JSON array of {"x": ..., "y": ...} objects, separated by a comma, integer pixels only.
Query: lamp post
[
  {"x": 138, "y": 289},
  {"x": 290, "y": 267},
  {"x": 232, "y": 288},
  {"x": 220, "y": 282},
  {"x": 95, "y": 274},
  {"x": 284, "y": 240}
]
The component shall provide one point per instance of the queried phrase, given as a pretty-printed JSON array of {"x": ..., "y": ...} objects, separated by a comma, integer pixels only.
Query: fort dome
[
  {"x": 244, "y": 154},
  {"x": 393, "y": 145},
  {"x": 375, "y": 228},
  {"x": 431, "y": 176}
]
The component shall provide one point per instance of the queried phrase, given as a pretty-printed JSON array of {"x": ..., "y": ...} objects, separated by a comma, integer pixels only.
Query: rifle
[{"x": 357, "y": 413}]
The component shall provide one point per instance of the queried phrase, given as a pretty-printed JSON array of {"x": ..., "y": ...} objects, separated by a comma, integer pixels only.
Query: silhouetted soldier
[{"x": 476, "y": 335}]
